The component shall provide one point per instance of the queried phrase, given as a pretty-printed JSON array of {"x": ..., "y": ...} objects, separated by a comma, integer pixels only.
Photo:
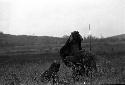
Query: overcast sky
[{"x": 60, "y": 17}]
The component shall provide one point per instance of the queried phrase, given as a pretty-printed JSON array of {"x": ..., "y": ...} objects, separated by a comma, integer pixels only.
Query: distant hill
[
  {"x": 21, "y": 40},
  {"x": 7, "y": 40},
  {"x": 120, "y": 37}
]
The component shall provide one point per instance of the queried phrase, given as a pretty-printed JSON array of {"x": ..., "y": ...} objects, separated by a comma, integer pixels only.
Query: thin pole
[
  {"x": 90, "y": 38},
  {"x": 90, "y": 48}
]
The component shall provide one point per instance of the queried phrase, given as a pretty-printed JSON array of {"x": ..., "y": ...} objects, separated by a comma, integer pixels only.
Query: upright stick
[{"x": 90, "y": 38}]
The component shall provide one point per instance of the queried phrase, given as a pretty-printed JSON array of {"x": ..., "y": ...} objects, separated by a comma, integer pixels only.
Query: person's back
[{"x": 71, "y": 48}]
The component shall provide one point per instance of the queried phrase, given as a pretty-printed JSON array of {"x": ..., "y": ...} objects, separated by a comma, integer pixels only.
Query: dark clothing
[
  {"x": 71, "y": 47},
  {"x": 73, "y": 56}
]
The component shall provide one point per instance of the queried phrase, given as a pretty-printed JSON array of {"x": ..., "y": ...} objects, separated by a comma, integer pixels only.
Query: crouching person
[{"x": 51, "y": 73}]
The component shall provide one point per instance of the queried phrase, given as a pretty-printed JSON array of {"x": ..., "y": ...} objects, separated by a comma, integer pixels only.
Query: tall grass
[{"x": 29, "y": 73}]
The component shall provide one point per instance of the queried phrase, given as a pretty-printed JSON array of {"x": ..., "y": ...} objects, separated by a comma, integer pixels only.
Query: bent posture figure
[
  {"x": 73, "y": 56},
  {"x": 71, "y": 47}
]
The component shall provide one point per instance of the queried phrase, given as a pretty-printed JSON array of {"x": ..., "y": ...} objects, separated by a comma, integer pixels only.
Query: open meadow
[{"x": 28, "y": 62}]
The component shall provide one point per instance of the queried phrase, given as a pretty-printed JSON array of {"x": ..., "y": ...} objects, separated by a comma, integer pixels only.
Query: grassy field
[{"x": 28, "y": 62}]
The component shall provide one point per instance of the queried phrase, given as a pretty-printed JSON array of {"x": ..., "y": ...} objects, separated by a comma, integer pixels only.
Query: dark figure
[
  {"x": 70, "y": 54},
  {"x": 51, "y": 73},
  {"x": 73, "y": 56},
  {"x": 71, "y": 47}
]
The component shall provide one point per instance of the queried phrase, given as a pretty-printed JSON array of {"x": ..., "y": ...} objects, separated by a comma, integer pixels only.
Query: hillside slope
[
  {"x": 22, "y": 40},
  {"x": 119, "y": 37}
]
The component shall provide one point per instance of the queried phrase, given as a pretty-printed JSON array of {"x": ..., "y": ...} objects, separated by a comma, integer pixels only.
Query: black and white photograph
[{"x": 62, "y": 42}]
